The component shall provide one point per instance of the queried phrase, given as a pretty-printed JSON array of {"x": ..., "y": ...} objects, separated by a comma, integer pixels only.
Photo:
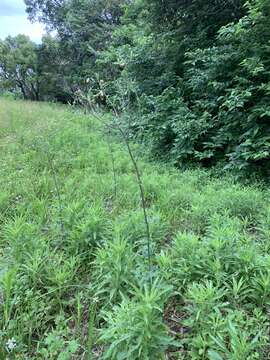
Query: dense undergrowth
[{"x": 74, "y": 274}]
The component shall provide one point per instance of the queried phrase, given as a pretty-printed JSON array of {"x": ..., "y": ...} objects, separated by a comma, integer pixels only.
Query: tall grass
[{"x": 74, "y": 278}]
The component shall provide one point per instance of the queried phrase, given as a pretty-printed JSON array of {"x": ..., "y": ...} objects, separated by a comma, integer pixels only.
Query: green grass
[{"x": 74, "y": 279}]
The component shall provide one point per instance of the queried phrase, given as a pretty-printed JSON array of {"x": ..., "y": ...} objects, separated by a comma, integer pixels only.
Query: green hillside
[{"x": 74, "y": 271}]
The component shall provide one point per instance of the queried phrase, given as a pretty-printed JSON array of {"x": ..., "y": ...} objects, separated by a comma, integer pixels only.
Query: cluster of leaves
[
  {"x": 202, "y": 89},
  {"x": 74, "y": 281}
]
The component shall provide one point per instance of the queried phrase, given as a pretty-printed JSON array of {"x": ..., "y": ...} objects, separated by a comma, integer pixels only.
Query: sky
[{"x": 13, "y": 21}]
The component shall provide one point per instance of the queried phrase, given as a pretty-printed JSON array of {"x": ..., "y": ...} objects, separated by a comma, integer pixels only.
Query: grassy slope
[{"x": 71, "y": 249}]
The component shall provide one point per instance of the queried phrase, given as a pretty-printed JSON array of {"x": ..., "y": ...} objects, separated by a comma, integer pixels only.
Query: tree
[
  {"x": 18, "y": 66},
  {"x": 84, "y": 29},
  {"x": 54, "y": 65}
]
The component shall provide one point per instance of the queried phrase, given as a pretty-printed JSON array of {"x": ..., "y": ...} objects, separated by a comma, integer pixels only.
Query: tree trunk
[{"x": 22, "y": 90}]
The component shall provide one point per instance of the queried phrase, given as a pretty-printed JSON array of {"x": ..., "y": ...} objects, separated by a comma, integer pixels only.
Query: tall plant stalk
[
  {"x": 142, "y": 196},
  {"x": 116, "y": 125},
  {"x": 125, "y": 138}
]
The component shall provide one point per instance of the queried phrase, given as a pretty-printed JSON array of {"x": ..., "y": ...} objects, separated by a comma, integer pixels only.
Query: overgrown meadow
[{"x": 75, "y": 282}]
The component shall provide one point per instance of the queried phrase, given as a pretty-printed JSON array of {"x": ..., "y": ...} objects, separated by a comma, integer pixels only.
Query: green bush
[
  {"x": 113, "y": 270},
  {"x": 135, "y": 329}
]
